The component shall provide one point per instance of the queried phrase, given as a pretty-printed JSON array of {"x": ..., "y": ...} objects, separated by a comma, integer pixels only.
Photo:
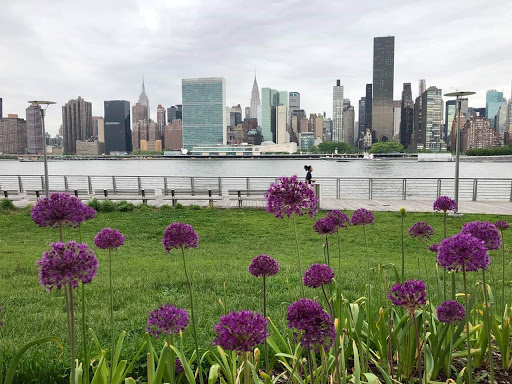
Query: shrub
[
  {"x": 165, "y": 207},
  {"x": 107, "y": 206},
  {"x": 6, "y": 205},
  {"x": 124, "y": 206},
  {"x": 179, "y": 206},
  {"x": 195, "y": 207},
  {"x": 94, "y": 203},
  {"x": 144, "y": 208}
]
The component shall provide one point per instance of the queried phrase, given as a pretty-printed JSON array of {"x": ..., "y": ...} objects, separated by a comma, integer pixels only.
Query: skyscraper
[
  {"x": 493, "y": 101},
  {"x": 77, "y": 123},
  {"x": 143, "y": 99},
  {"x": 98, "y": 128},
  {"x": 478, "y": 133},
  {"x": 255, "y": 99},
  {"x": 368, "y": 107},
  {"x": 204, "y": 112},
  {"x": 397, "y": 115},
  {"x": 34, "y": 129},
  {"x": 270, "y": 99},
  {"x": 422, "y": 86},
  {"x": 247, "y": 114},
  {"x": 281, "y": 123},
  {"x": 174, "y": 113},
  {"x": 160, "y": 117},
  {"x": 348, "y": 124},
  {"x": 337, "y": 112},
  {"x": 13, "y": 134},
  {"x": 118, "y": 135},
  {"x": 431, "y": 121},
  {"x": 406, "y": 116},
  {"x": 383, "y": 76},
  {"x": 293, "y": 104},
  {"x": 1, "y": 110},
  {"x": 361, "y": 128}
]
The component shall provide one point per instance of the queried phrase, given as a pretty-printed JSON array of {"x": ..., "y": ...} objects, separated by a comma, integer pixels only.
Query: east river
[{"x": 260, "y": 167}]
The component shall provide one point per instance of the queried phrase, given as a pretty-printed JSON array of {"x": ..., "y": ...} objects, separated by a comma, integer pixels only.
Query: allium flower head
[
  {"x": 340, "y": 219},
  {"x": 463, "y": 249},
  {"x": 501, "y": 225},
  {"x": 67, "y": 264},
  {"x": 109, "y": 238},
  {"x": 178, "y": 367},
  {"x": 325, "y": 226},
  {"x": 410, "y": 295},
  {"x": 450, "y": 312},
  {"x": 362, "y": 217},
  {"x": 290, "y": 195},
  {"x": 314, "y": 326},
  {"x": 318, "y": 275},
  {"x": 179, "y": 235},
  {"x": 484, "y": 231},
  {"x": 241, "y": 331},
  {"x": 421, "y": 230},
  {"x": 167, "y": 320},
  {"x": 61, "y": 209},
  {"x": 402, "y": 211},
  {"x": 444, "y": 203},
  {"x": 434, "y": 248},
  {"x": 263, "y": 265}
]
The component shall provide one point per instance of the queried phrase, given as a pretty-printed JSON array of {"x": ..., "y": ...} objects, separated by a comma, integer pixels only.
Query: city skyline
[{"x": 80, "y": 61}]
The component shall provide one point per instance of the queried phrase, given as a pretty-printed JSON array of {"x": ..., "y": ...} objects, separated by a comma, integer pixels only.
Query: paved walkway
[{"x": 487, "y": 207}]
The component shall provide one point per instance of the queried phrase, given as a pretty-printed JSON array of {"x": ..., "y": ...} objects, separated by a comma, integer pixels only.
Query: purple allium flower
[
  {"x": 421, "y": 230},
  {"x": 109, "y": 238},
  {"x": 178, "y": 367},
  {"x": 290, "y": 195},
  {"x": 314, "y": 325},
  {"x": 167, "y": 320},
  {"x": 501, "y": 225},
  {"x": 463, "y": 249},
  {"x": 89, "y": 212},
  {"x": 444, "y": 203},
  {"x": 67, "y": 264},
  {"x": 450, "y": 312},
  {"x": 434, "y": 248},
  {"x": 411, "y": 295},
  {"x": 179, "y": 235},
  {"x": 325, "y": 226},
  {"x": 362, "y": 217},
  {"x": 241, "y": 331},
  {"x": 484, "y": 231},
  {"x": 340, "y": 219},
  {"x": 318, "y": 275},
  {"x": 60, "y": 209},
  {"x": 263, "y": 265}
]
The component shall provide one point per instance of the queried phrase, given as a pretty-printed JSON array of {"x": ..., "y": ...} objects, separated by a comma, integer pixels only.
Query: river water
[{"x": 259, "y": 167}]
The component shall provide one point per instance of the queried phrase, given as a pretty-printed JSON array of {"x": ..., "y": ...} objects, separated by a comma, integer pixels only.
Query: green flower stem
[
  {"x": 336, "y": 350},
  {"x": 265, "y": 316},
  {"x": 172, "y": 362},
  {"x": 111, "y": 315},
  {"x": 338, "y": 280},
  {"x": 503, "y": 274},
  {"x": 468, "y": 341},
  {"x": 71, "y": 329},
  {"x": 298, "y": 255},
  {"x": 488, "y": 320},
  {"x": 368, "y": 302},
  {"x": 450, "y": 357},
  {"x": 327, "y": 250},
  {"x": 444, "y": 273},
  {"x": 247, "y": 373},
  {"x": 453, "y": 285},
  {"x": 418, "y": 352},
  {"x": 84, "y": 338},
  {"x": 403, "y": 252},
  {"x": 200, "y": 372}
]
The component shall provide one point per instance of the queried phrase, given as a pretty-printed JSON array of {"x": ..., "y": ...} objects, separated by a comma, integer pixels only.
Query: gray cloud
[{"x": 101, "y": 49}]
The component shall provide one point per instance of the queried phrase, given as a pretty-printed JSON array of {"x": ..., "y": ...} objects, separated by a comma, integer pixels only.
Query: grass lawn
[{"x": 145, "y": 276}]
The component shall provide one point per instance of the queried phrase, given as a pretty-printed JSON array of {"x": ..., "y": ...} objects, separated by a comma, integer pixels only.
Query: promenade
[{"x": 411, "y": 205}]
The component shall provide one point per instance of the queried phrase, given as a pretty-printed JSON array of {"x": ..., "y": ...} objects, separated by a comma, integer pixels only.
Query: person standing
[{"x": 309, "y": 170}]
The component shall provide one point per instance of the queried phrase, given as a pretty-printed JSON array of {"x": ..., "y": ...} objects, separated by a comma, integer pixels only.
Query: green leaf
[
  {"x": 129, "y": 380},
  {"x": 213, "y": 375},
  {"x": 357, "y": 367},
  {"x": 164, "y": 359},
  {"x": 11, "y": 371},
  {"x": 119, "y": 346},
  {"x": 371, "y": 378},
  {"x": 186, "y": 366},
  {"x": 117, "y": 376}
]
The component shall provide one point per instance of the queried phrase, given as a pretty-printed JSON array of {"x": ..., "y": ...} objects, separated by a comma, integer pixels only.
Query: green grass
[{"x": 145, "y": 276}]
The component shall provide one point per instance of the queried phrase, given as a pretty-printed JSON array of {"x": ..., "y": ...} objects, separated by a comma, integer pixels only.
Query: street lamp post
[
  {"x": 46, "y": 184},
  {"x": 458, "y": 95}
]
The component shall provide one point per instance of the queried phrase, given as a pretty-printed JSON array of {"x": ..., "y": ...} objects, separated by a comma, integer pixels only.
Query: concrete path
[{"x": 487, "y": 207}]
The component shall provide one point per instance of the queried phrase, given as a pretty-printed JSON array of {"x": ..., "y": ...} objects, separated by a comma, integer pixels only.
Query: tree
[
  {"x": 330, "y": 147},
  {"x": 386, "y": 147}
]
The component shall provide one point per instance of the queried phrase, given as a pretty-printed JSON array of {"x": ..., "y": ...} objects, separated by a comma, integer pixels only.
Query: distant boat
[{"x": 368, "y": 156}]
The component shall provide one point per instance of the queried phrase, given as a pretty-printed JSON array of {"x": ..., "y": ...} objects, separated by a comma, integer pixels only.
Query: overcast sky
[{"x": 58, "y": 50}]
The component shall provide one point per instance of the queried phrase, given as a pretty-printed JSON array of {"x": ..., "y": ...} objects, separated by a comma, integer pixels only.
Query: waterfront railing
[{"x": 475, "y": 189}]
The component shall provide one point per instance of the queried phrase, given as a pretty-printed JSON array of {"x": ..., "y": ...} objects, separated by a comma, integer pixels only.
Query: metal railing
[{"x": 332, "y": 187}]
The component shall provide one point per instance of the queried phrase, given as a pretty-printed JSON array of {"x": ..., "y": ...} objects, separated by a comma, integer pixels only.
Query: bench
[
  {"x": 126, "y": 194},
  {"x": 11, "y": 194},
  {"x": 241, "y": 193},
  {"x": 193, "y": 194},
  {"x": 82, "y": 194}
]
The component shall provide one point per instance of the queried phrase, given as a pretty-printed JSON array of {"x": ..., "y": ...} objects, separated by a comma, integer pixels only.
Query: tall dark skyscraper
[
  {"x": 34, "y": 129},
  {"x": 407, "y": 116},
  {"x": 383, "y": 75},
  {"x": 368, "y": 107},
  {"x": 174, "y": 113},
  {"x": 1, "y": 111},
  {"x": 76, "y": 123},
  {"x": 361, "y": 118},
  {"x": 118, "y": 135}
]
